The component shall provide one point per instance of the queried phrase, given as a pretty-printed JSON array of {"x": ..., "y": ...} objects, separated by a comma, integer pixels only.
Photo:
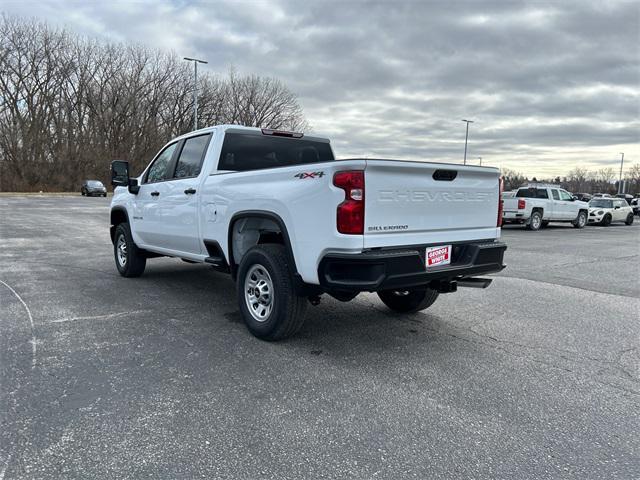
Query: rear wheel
[
  {"x": 408, "y": 301},
  {"x": 606, "y": 220},
  {"x": 269, "y": 304},
  {"x": 535, "y": 222},
  {"x": 629, "y": 219},
  {"x": 130, "y": 260},
  {"x": 581, "y": 220}
]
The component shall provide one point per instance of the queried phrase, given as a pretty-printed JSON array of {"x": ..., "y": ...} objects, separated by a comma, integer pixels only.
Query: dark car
[
  {"x": 626, "y": 197},
  {"x": 583, "y": 197},
  {"x": 93, "y": 187}
]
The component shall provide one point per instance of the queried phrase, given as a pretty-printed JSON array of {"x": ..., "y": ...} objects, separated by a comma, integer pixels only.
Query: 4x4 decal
[{"x": 304, "y": 175}]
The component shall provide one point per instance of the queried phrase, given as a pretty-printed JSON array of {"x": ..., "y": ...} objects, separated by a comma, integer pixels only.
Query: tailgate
[{"x": 413, "y": 203}]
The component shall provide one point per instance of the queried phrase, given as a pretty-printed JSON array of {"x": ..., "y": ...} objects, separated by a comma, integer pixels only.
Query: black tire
[
  {"x": 82, "y": 192},
  {"x": 629, "y": 219},
  {"x": 282, "y": 308},
  {"x": 606, "y": 220},
  {"x": 104, "y": 195},
  {"x": 535, "y": 222},
  {"x": 134, "y": 261},
  {"x": 581, "y": 220},
  {"x": 408, "y": 301}
]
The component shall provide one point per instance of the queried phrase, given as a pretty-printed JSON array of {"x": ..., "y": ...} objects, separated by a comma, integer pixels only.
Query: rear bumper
[
  {"x": 386, "y": 269},
  {"x": 512, "y": 216}
]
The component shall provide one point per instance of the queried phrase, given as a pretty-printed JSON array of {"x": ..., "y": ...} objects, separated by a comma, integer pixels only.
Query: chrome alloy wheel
[
  {"x": 121, "y": 250},
  {"x": 258, "y": 292},
  {"x": 536, "y": 222},
  {"x": 582, "y": 219}
]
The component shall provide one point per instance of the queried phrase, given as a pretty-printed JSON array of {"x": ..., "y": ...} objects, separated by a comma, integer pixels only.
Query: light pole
[
  {"x": 480, "y": 160},
  {"x": 195, "y": 89},
  {"x": 620, "y": 181},
  {"x": 466, "y": 137}
]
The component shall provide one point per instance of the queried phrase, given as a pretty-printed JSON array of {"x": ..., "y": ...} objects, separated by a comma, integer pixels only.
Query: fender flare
[{"x": 112, "y": 228}]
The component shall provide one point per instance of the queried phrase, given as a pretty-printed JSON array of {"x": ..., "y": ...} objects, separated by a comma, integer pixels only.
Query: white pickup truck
[
  {"x": 290, "y": 223},
  {"x": 537, "y": 205}
]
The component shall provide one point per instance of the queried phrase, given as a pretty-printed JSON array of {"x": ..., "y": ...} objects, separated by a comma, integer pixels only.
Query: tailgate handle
[{"x": 445, "y": 175}]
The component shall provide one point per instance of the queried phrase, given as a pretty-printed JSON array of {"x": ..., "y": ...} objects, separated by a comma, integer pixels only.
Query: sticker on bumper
[{"x": 437, "y": 256}]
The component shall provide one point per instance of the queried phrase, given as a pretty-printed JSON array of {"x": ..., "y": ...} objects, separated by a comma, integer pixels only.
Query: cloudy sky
[{"x": 549, "y": 85}]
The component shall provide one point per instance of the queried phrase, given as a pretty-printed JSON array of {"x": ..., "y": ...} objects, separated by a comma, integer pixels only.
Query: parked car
[
  {"x": 93, "y": 187},
  {"x": 601, "y": 195},
  {"x": 605, "y": 211},
  {"x": 536, "y": 205},
  {"x": 583, "y": 197},
  {"x": 626, "y": 197},
  {"x": 290, "y": 223},
  {"x": 635, "y": 206}
]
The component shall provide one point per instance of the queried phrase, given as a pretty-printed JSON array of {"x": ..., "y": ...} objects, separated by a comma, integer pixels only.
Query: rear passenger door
[{"x": 178, "y": 201}]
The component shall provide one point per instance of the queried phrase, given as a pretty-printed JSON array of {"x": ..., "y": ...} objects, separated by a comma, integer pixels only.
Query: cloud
[{"x": 549, "y": 85}]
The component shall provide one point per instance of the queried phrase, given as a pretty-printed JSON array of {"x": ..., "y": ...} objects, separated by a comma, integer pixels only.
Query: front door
[
  {"x": 146, "y": 218},
  {"x": 568, "y": 205}
]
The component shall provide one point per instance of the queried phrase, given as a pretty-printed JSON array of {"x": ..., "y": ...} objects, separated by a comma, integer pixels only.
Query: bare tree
[{"x": 69, "y": 105}]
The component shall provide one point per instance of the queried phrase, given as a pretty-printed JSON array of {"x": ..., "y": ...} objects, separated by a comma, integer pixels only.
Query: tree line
[
  {"x": 582, "y": 180},
  {"x": 69, "y": 105}
]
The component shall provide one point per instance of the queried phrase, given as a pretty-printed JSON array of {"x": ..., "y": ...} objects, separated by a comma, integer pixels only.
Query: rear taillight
[
  {"x": 350, "y": 214},
  {"x": 500, "y": 201},
  {"x": 522, "y": 204}
]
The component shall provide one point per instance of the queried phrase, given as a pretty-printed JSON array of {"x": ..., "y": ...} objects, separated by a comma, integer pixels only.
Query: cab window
[
  {"x": 161, "y": 168},
  {"x": 554, "y": 192},
  {"x": 192, "y": 156},
  {"x": 566, "y": 196}
]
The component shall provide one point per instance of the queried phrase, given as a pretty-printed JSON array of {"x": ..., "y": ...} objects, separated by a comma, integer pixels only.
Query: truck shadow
[{"x": 207, "y": 301}]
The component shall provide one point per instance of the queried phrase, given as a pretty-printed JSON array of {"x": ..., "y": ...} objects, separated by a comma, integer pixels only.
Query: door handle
[
  {"x": 155, "y": 194},
  {"x": 190, "y": 191}
]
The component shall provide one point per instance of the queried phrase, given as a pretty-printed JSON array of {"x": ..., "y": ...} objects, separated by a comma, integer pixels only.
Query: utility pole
[
  {"x": 620, "y": 181},
  {"x": 466, "y": 137},
  {"x": 480, "y": 160},
  {"x": 195, "y": 89}
]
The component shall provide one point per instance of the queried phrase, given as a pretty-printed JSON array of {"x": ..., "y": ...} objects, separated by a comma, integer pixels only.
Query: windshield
[
  {"x": 600, "y": 203},
  {"x": 242, "y": 152},
  {"x": 95, "y": 183}
]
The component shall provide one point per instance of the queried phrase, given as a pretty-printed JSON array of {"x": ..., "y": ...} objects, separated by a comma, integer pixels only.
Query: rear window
[
  {"x": 242, "y": 152},
  {"x": 532, "y": 193}
]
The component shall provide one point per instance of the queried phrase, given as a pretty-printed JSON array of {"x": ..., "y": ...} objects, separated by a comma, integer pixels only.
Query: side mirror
[
  {"x": 120, "y": 173},
  {"x": 120, "y": 176}
]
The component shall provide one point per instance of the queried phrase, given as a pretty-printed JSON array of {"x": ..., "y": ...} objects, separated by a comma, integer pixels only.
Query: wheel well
[
  {"x": 250, "y": 230},
  {"x": 538, "y": 209},
  {"x": 118, "y": 216}
]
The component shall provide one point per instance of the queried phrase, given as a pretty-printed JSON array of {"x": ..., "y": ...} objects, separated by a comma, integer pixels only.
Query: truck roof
[{"x": 238, "y": 128}]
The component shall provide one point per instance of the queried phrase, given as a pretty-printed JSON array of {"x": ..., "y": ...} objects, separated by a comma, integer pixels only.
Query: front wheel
[
  {"x": 269, "y": 304},
  {"x": 581, "y": 220},
  {"x": 130, "y": 261},
  {"x": 629, "y": 219},
  {"x": 408, "y": 301},
  {"x": 606, "y": 221}
]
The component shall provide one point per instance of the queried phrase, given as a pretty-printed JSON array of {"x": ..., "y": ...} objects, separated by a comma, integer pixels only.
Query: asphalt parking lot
[{"x": 106, "y": 377}]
